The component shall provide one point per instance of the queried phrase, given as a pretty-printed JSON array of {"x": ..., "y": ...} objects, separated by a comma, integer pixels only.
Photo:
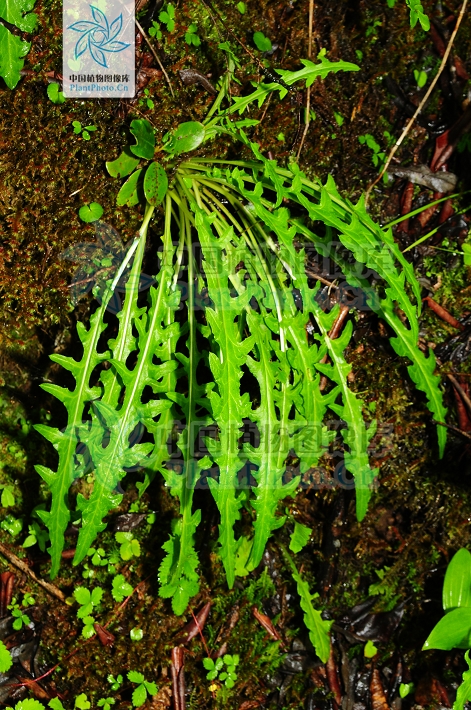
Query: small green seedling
[
  {"x": 90, "y": 212},
  {"x": 6, "y": 661},
  {"x": 115, "y": 683},
  {"x": 55, "y": 704},
  {"x": 87, "y": 600},
  {"x": 155, "y": 30},
  {"x": 150, "y": 104},
  {"x": 420, "y": 77},
  {"x": 167, "y": 18},
  {"x": 106, "y": 703},
  {"x": 371, "y": 143},
  {"x": 378, "y": 156},
  {"x": 191, "y": 37},
  {"x": 261, "y": 42},
  {"x": 82, "y": 702},
  {"x": 371, "y": 30},
  {"x": 242, "y": 7},
  {"x": 417, "y": 13},
  {"x": 28, "y": 600},
  {"x": 139, "y": 695},
  {"x": 129, "y": 546},
  {"x": 214, "y": 668},
  {"x": 98, "y": 556},
  {"x": 370, "y": 650},
  {"x": 8, "y": 499},
  {"x": 84, "y": 131},
  {"x": 88, "y": 627},
  {"x": 121, "y": 588},
  {"x": 21, "y": 619},
  {"x": 11, "y": 525},
  {"x": 406, "y": 689},
  {"x": 54, "y": 94},
  {"x": 136, "y": 634},
  {"x": 36, "y": 535},
  {"x": 87, "y": 572}
]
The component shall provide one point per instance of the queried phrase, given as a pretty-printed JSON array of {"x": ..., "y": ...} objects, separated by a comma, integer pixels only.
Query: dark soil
[{"x": 379, "y": 580}]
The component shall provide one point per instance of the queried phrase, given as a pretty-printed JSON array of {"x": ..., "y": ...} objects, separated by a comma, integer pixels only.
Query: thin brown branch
[
  {"x": 461, "y": 391},
  {"x": 443, "y": 313},
  {"x": 308, "y": 90},
  {"x": 50, "y": 588},
  {"x": 421, "y": 105},
  {"x": 147, "y": 40},
  {"x": 333, "y": 334},
  {"x": 313, "y": 275},
  {"x": 455, "y": 429}
]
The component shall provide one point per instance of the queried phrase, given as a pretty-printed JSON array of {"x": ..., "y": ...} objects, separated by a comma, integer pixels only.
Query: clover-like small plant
[
  {"x": 21, "y": 619},
  {"x": 216, "y": 672},
  {"x": 106, "y": 703},
  {"x": 139, "y": 695},
  {"x": 115, "y": 683},
  {"x": 121, "y": 588},
  {"x": 98, "y": 555},
  {"x": 191, "y": 36},
  {"x": 130, "y": 547},
  {"x": 167, "y": 18},
  {"x": 88, "y": 601}
]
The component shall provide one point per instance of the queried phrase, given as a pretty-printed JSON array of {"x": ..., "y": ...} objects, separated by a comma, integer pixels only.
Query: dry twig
[
  {"x": 308, "y": 90},
  {"x": 406, "y": 130},
  {"x": 147, "y": 40},
  {"x": 51, "y": 588},
  {"x": 456, "y": 430},
  {"x": 461, "y": 391}
]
